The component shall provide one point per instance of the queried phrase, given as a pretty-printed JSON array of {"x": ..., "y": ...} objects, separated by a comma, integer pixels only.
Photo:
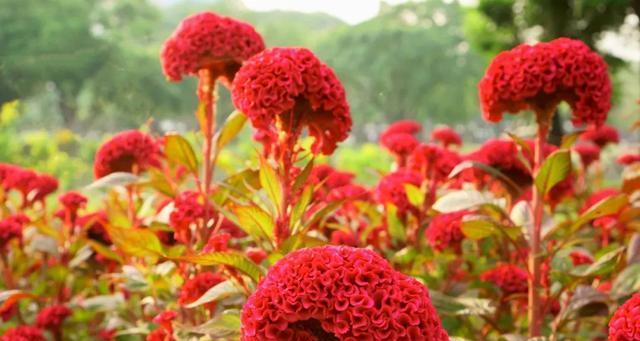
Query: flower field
[{"x": 517, "y": 238}]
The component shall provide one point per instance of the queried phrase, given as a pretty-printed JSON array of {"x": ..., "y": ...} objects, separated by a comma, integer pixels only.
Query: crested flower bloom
[
  {"x": 189, "y": 209},
  {"x": 257, "y": 255},
  {"x": 400, "y": 145},
  {"x": 11, "y": 228},
  {"x": 327, "y": 179},
  {"x": 129, "y": 151},
  {"x": 344, "y": 237},
  {"x": 588, "y": 152},
  {"x": 445, "y": 136},
  {"x": 160, "y": 334},
  {"x": 511, "y": 279},
  {"x": 197, "y": 286},
  {"x": 628, "y": 159},
  {"x": 209, "y": 41},
  {"x": 53, "y": 317},
  {"x": 540, "y": 76},
  {"x": 601, "y": 136},
  {"x": 503, "y": 156},
  {"x": 23, "y": 333},
  {"x": 410, "y": 127},
  {"x": 72, "y": 201},
  {"x": 33, "y": 186},
  {"x": 625, "y": 323},
  {"x": 339, "y": 293},
  {"x": 580, "y": 258},
  {"x": 444, "y": 231},
  {"x": 433, "y": 162},
  {"x": 391, "y": 189},
  {"x": 287, "y": 89},
  {"x": 217, "y": 242}
]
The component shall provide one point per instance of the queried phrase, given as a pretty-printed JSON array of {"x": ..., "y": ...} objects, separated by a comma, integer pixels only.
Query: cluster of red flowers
[
  {"x": 391, "y": 189},
  {"x": 11, "y": 228},
  {"x": 433, "y": 162},
  {"x": 189, "y": 209},
  {"x": 287, "y": 89},
  {"x": 209, "y": 41},
  {"x": 444, "y": 231},
  {"x": 540, "y": 76},
  {"x": 340, "y": 293},
  {"x": 72, "y": 202},
  {"x": 445, "y": 136},
  {"x": 625, "y": 323},
  {"x": 129, "y": 151},
  {"x": 33, "y": 187},
  {"x": 53, "y": 317},
  {"x": 628, "y": 159},
  {"x": 197, "y": 286},
  {"x": 399, "y": 138},
  {"x": 511, "y": 279},
  {"x": 23, "y": 333}
]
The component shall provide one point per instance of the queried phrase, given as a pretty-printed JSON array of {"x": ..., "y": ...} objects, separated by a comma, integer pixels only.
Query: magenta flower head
[
  {"x": 625, "y": 323},
  {"x": 209, "y": 41},
  {"x": 287, "y": 89},
  {"x": 540, "y": 76},
  {"x": 129, "y": 151},
  {"x": 339, "y": 293}
]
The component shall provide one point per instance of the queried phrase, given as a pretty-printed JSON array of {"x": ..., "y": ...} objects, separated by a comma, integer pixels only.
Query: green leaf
[
  {"x": 322, "y": 213},
  {"x": 136, "y": 241},
  {"x": 271, "y": 184},
  {"x": 230, "y": 258},
  {"x": 456, "y": 306},
  {"x": 303, "y": 176},
  {"x": 113, "y": 180},
  {"x": 554, "y": 169},
  {"x": 159, "y": 182},
  {"x": 225, "y": 326},
  {"x": 587, "y": 301},
  {"x": 405, "y": 255},
  {"x": 610, "y": 205},
  {"x": 178, "y": 150},
  {"x": 497, "y": 174},
  {"x": 395, "y": 226},
  {"x": 301, "y": 205},
  {"x": 414, "y": 194},
  {"x": 218, "y": 292},
  {"x": 255, "y": 221},
  {"x": 627, "y": 282},
  {"x": 230, "y": 129},
  {"x": 478, "y": 229},
  {"x": 605, "y": 264},
  {"x": 463, "y": 199},
  {"x": 569, "y": 139},
  {"x": 104, "y": 251}
]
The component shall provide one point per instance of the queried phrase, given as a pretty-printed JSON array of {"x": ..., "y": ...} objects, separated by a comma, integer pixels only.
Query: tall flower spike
[
  {"x": 129, "y": 151},
  {"x": 540, "y": 76},
  {"x": 339, "y": 293},
  {"x": 283, "y": 90}
]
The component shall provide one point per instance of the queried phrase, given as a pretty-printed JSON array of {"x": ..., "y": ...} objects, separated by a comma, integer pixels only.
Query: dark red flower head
[
  {"x": 400, "y": 145},
  {"x": 433, "y": 162},
  {"x": 11, "y": 228},
  {"x": 160, "y": 334},
  {"x": 23, "y": 333},
  {"x": 33, "y": 186},
  {"x": 410, "y": 127},
  {"x": 286, "y": 89},
  {"x": 129, "y": 151},
  {"x": 444, "y": 231},
  {"x": 339, "y": 293},
  {"x": 72, "y": 201},
  {"x": 53, "y": 317},
  {"x": 628, "y": 159},
  {"x": 446, "y": 136},
  {"x": 391, "y": 188},
  {"x": 209, "y": 41},
  {"x": 588, "y": 152},
  {"x": 509, "y": 278},
  {"x": 597, "y": 197},
  {"x": 197, "y": 286},
  {"x": 625, "y": 323},
  {"x": 189, "y": 209},
  {"x": 165, "y": 319},
  {"x": 539, "y": 76},
  {"x": 601, "y": 136},
  {"x": 503, "y": 156}
]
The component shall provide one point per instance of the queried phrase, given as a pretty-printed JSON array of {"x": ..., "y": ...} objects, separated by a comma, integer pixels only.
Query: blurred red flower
[
  {"x": 129, "y": 151},
  {"x": 444, "y": 231},
  {"x": 445, "y": 136},
  {"x": 511, "y": 279},
  {"x": 601, "y": 136}
]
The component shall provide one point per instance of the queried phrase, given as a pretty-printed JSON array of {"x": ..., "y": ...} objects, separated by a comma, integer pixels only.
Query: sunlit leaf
[
  {"x": 462, "y": 200},
  {"x": 113, "y": 180},
  {"x": 271, "y": 184},
  {"x": 217, "y": 292},
  {"x": 230, "y": 258},
  {"x": 414, "y": 194},
  {"x": 395, "y": 226},
  {"x": 135, "y": 241},
  {"x": 301, "y": 179},
  {"x": 225, "y": 326},
  {"x": 602, "y": 265},
  {"x": 301, "y": 205},
  {"x": 627, "y": 282},
  {"x": 554, "y": 169},
  {"x": 610, "y": 205},
  {"x": 230, "y": 129},
  {"x": 179, "y": 151},
  {"x": 449, "y": 305},
  {"x": 255, "y": 221}
]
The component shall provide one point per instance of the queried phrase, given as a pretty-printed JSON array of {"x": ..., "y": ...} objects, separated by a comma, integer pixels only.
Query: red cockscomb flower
[
  {"x": 209, "y": 41},
  {"x": 503, "y": 156},
  {"x": 23, "y": 333},
  {"x": 72, "y": 201},
  {"x": 410, "y": 127},
  {"x": 197, "y": 286},
  {"x": 344, "y": 237},
  {"x": 53, "y": 317},
  {"x": 257, "y": 255},
  {"x": 129, "y": 151},
  {"x": 542, "y": 75},
  {"x": 601, "y": 136},
  {"x": 625, "y": 323},
  {"x": 446, "y": 136},
  {"x": 160, "y": 335},
  {"x": 391, "y": 189},
  {"x": 628, "y": 159},
  {"x": 33, "y": 186},
  {"x": 189, "y": 209},
  {"x": 400, "y": 145},
  {"x": 588, "y": 152},
  {"x": 339, "y": 292},
  {"x": 509, "y": 278},
  {"x": 11, "y": 228},
  {"x": 580, "y": 258},
  {"x": 41, "y": 187},
  {"x": 165, "y": 319},
  {"x": 218, "y": 242},
  {"x": 286, "y": 89},
  {"x": 433, "y": 162},
  {"x": 444, "y": 231},
  {"x": 327, "y": 179}
]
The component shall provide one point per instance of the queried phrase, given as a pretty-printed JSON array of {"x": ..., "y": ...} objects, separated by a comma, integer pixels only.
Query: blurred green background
[{"x": 75, "y": 71}]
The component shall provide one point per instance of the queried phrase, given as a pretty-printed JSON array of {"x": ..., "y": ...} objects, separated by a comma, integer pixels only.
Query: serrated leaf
[
  {"x": 230, "y": 258},
  {"x": 217, "y": 292},
  {"x": 394, "y": 225},
  {"x": 113, "y": 180},
  {"x": 414, "y": 194},
  {"x": 271, "y": 184},
  {"x": 136, "y": 241},
  {"x": 230, "y": 129},
  {"x": 179, "y": 151},
  {"x": 255, "y": 221},
  {"x": 553, "y": 170}
]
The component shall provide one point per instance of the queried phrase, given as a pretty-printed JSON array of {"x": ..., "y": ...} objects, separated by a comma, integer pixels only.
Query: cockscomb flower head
[
  {"x": 23, "y": 333},
  {"x": 445, "y": 136},
  {"x": 433, "y": 162},
  {"x": 625, "y": 323},
  {"x": 209, "y": 41},
  {"x": 189, "y": 209},
  {"x": 11, "y": 228},
  {"x": 197, "y": 286},
  {"x": 511, "y": 279},
  {"x": 283, "y": 90},
  {"x": 400, "y": 145},
  {"x": 391, "y": 189},
  {"x": 588, "y": 153},
  {"x": 444, "y": 231},
  {"x": 129, "y": 151},
  {"x": 53, "y": 317},
  {"x": 410, "y": 127},
  {"x": 339, "y": 293},
  {"x": 540, "y": 76},
  {"x": 601, "y": 136},
  {"x": 72, "y": 201},
  {"x": 628, "y": 159}
]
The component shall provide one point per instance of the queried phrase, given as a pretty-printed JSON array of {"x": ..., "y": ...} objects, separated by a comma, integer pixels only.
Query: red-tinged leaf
[
  {"x": 395, "y": 226},
  {"x": 303, "y": 176},
  {"x": 105, "y": 251},
  {"x": 610, "y": 205},
  {"x": 10, "y": 297}
]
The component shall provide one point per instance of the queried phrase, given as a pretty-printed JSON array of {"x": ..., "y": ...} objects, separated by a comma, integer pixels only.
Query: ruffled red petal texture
[
  {"x": 588, "y": 152},
  {"x": 189, "y": 209},
  {"x": 511, "y": 279},
  {"x": 286, "y": 89},
  {"x": 444, "y": 231},
  {"x": 446, "y": 136},
  {"x": 127, "y": 151},
  {"x": 601, "y": 136},
  {"x": 625, "y": 323},
  {"x": 339, "y": 293},
  {"x": 410, "y": 127},
  {"x": 53, "y": 317},
  {"x": 580, "y": 258},
  {"x": 400, "y": 144},
  {"x": 23, "y": 333},
  {"x": 542, "y": 75},
  {"x": 391, "y": 188},
  {"x": 208, "y": 40}
]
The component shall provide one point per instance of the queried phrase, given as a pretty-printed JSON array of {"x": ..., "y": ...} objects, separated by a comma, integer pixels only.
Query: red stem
[{"x": 206, "y": 88}]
